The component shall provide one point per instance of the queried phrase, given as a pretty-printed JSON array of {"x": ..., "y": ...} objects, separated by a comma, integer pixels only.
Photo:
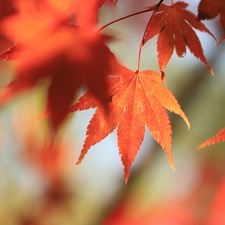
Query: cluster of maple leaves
[{"x": 60, "y": 41}]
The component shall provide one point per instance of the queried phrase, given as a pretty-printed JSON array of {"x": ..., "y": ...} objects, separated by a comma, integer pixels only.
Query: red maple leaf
[
  {"x": 174, "y": 25},
  {"x": 138, "y": 99},
  {"x": 208, "y": 9},
  {"x": 220, "y": 137},
  {"x": 70, "y": 57}
]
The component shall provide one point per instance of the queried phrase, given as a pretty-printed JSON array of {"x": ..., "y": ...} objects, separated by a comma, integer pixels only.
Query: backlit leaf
[
  {"x": 138, "y": 100},
  {"x": 69, "y": 57},
  {"x": 174, "y": 27}
]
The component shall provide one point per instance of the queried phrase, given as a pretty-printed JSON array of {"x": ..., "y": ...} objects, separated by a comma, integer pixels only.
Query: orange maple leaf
[
  {"x": 220, "y": 137},
  {"x": 208, "y": 9},
  {"x": 175, "y": 24},
  {"x": 138, "y": 99}
]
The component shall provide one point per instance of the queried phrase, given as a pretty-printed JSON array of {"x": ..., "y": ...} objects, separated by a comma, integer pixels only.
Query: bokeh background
[{"x": 38, "y": 189}]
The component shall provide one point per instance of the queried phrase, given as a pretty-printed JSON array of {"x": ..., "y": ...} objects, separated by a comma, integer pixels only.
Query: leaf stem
[
  {"x": 160, "y": 2},
  {"x": 142, "y": 42},
  {"x": 128, "y": 16},
  {"x": 149, "y": 9}
]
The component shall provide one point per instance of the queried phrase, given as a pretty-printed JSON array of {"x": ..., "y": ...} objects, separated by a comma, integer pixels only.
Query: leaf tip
[
  {"x": 78, "y": 161},
  {"x": 162, "y": 75},
  {"x": 199, "y": 147},
  {"x": 126, "y": 172},
  {"x": 205, "y": 144},
  {"x": 211, "y": 71},
  {"x": 188, "y": 124},
  {"x": 173, "y": 168},
  {"x": 172, "y": 164},
  {"x": 185, "y": 120},
  {"x": 170, "y": 159},
  {"x": 220, "y": 40},
  {"x": 220, "y": 137}
]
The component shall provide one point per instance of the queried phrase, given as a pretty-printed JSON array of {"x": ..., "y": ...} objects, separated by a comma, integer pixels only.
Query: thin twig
[
  {"x": 142, "y": 41},
  {"x": 154, "y": 8},
  {"x": 128, "y": 16},
  {"x": 160, "y": 2}
]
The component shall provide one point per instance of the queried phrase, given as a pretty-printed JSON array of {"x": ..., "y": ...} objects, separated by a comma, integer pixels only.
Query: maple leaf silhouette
[
  {"x": 208, "y": 9},
  {"x": 220, "y": 137},
  {"x": 138, "y": 99},
  {"x": 174, "y": 26}
]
